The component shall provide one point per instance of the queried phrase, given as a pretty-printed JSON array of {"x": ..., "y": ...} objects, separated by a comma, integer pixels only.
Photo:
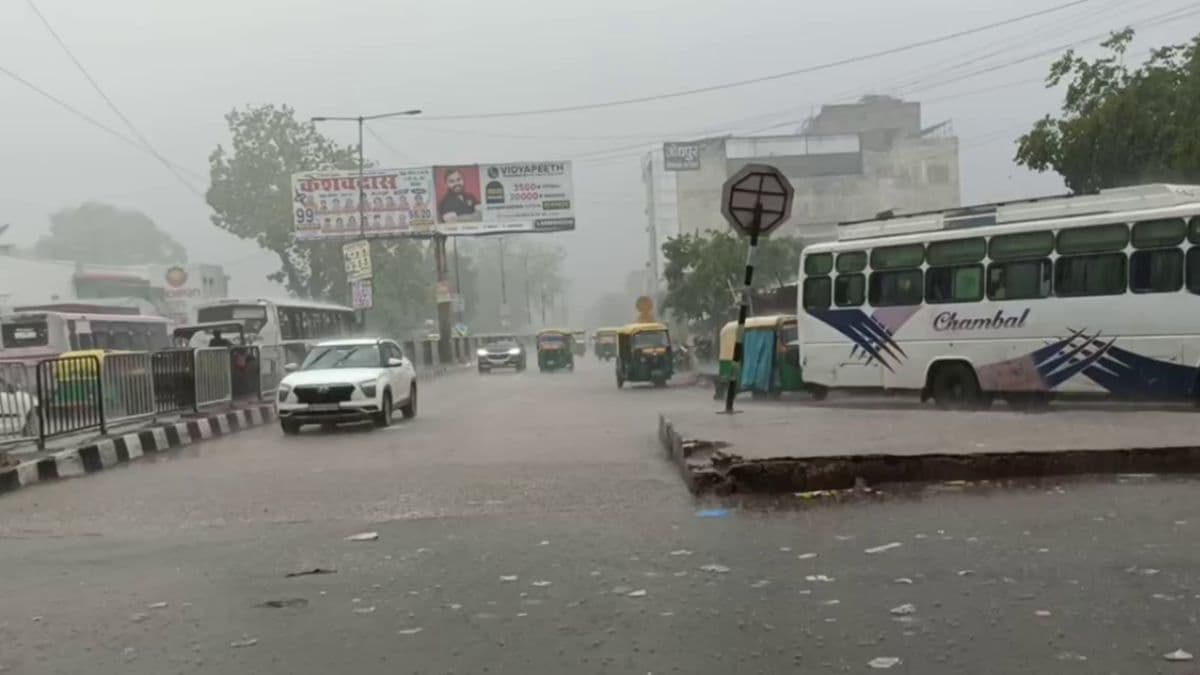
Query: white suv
[{"x": 347, "y": 381}]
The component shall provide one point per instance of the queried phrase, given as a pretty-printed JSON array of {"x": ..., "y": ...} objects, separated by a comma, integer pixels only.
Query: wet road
[{"x": 529, "y": 524}]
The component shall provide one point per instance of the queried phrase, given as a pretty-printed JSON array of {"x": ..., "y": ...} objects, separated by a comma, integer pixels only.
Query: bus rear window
[
  {"x": 25, "y": 334},
  {"x": 253, "y": 317}
]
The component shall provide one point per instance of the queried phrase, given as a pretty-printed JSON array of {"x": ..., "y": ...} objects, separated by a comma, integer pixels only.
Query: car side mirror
[
  {"x": 394, "y": 362},
  {"x": 291, "y": 367}
]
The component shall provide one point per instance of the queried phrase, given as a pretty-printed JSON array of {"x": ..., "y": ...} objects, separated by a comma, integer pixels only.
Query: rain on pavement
[{"x": 529, "y": 523}]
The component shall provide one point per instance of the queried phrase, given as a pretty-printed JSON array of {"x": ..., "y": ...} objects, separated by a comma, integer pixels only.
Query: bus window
[
  {"x": 890, "y": 289},
  {"x": 1157, "y": 271},
  {"x": 1023, "y": 245},
  {"x": 816, "y": 293},
  {"x": 1158, "y": 233},
  {"x": 1019, "y": 280},
  {"x": 1090, "y": 274},
  {"x": 851, "y": 261},
  {"x": 1095, "y": 239},
  {"x": 956, "y": 251},
  {"x": 897, "y": 257},
  {"x": 963, "y": 283},
  {"x": 1193, "y": 268},
  {"x": 818, "y": 264},
  {"x": 849, "y": 290}
]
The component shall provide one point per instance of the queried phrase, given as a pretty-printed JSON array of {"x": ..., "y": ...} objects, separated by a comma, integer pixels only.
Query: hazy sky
[{"x": 176, "y": 68}]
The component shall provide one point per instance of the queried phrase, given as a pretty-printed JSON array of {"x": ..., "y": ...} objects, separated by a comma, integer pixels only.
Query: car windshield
[
  {"x": 650, "y": 339},
  {"x": 342, "y": 356},
  {"x": 502, "y": 346}
]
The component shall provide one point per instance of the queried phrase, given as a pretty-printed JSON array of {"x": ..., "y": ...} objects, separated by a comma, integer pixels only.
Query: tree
[
  {"x": 100, "y": 233},
  {"x": 1121, "y": 126},
  {"x": 701, "y": 269},
  {"x": 251, "y": 192}
]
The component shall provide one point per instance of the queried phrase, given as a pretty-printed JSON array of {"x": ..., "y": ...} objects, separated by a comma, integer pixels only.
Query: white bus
[
  {"x": 283, "y": 330},
  {"x": 30, "y": 336},
  {"x": 1096, "y": 294}
]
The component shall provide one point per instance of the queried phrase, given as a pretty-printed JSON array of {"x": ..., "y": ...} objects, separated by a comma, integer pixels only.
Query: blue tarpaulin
[{"x": 758, "y": 351}]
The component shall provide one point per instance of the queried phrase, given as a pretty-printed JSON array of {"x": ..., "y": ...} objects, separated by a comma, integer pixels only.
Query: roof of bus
[
  {"x": 760, "y": 321},
  {"x": 1181, "y": 211},
  {"x": 630, "y": 329},
  {"x": 282, "y": 302},
  {"x": 19, "y": 316}
]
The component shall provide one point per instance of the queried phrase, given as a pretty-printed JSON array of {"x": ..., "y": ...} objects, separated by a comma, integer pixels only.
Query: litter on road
[
  {"x": 881, "y": 549},
  {"x": 904, "y": 610},
  {"x": 883, "y": 662},
  {"x": 903, "y": 580},
  {"x": 806, "y": 556},
  {"x": 716, "y": 569},
  {"x": 508, "y": 577},
  {"x": 409, "y": 631},
  {"x": 1178, "y": 655},
  {"x": 639, "y": 593},
  {"x": 248, "y": 642},
  {"x": 713, "y": 513},
  {"x": 363, "y": 536}
]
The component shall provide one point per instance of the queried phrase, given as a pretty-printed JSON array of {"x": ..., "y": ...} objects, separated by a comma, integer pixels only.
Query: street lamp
[{"x": 361, "y": 119}]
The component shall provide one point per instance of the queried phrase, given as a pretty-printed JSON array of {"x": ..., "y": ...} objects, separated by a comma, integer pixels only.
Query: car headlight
[
  {"x": 514, "y": 351},
  {"x": 368, "y": 388},
  {"x": 481, "y": 352},
  {"x": 283, "y": 392}
]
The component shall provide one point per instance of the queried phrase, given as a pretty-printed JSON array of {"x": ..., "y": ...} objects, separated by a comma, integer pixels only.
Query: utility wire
[
  {"x": 89, "y": 119},
  {"x": 112, "y": 106},
  {"x": 765, "y": 78}
]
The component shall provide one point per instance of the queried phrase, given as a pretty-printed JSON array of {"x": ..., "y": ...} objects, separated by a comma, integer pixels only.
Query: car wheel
[
  {"x": 289, "y": 427},
  {"x": 383, "y": 418},
  {"x": 409, "y": 409}
]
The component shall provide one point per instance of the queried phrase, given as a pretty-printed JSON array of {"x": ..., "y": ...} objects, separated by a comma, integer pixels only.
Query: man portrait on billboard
[{"x": 458, "y": 194}]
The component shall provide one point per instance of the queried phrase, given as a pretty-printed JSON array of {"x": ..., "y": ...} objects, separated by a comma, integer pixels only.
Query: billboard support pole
[{"x": 444, "y": 303}]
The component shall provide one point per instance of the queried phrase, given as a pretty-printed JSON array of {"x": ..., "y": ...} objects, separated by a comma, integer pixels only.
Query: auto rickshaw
[
  {"x": 579, "y": 346},
  {"x": 604, "y": 343},
  {"x": 554, "y": 350},
  {"x": 644, "y": 354},
  {"x": 770, "y": 356}
]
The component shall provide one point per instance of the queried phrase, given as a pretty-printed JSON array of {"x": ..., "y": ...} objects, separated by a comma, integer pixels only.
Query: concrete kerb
[
  {"x": 706, "y": 466},
  {"x": 129, "y": 447}
]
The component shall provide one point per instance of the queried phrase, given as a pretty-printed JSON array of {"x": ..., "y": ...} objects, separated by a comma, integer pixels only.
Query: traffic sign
[
  {"x": 756, "y": 199},
  {"x": 357, "y": 255},
  {"x": 362, "y": 294}
]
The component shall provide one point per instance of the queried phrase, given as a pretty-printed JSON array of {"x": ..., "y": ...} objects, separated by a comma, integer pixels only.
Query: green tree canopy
[
  {"x": 702, "y": 268},
  {"x": 1121, "y": 126},
  {"x": 100, "y": 233},
  {"x": 251, "y": 190}
]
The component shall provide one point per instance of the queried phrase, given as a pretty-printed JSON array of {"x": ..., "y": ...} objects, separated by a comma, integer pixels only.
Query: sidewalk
[{"x": 798, "y": 448}]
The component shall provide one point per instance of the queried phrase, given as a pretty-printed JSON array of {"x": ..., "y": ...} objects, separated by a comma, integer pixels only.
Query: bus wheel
[{"x": 954, "y": 386}]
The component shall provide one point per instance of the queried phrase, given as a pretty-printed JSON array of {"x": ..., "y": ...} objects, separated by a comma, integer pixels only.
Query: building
[
  {"x": 172, "y": 291},
  {"x": 848, "y": 162}
]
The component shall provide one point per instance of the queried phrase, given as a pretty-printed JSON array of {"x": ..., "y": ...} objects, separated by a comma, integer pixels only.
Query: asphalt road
[{"x": 529, "y": 524}]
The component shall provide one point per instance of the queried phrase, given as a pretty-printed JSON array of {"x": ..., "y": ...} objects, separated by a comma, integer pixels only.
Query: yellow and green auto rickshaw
[
  {"x": 554, "y": 350},
  {"x": 644, "y": 354},
  {"x": 580, "y": 344},
  {"x": 770, "y": 356},
  {"x": 604, "y": 343}
]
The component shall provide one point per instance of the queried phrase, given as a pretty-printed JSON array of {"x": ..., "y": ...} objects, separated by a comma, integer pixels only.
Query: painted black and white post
[{"x": 755, "y": 200}]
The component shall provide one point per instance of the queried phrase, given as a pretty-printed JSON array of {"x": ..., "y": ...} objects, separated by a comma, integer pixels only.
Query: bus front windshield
[{"x": 253, "y": 317}]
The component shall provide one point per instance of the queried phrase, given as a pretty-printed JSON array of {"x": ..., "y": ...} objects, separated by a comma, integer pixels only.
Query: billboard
[
  {"x": 396, "y": 202},
  {"x": 468, "y": 199},
  {"x": 681, "y": 156}
]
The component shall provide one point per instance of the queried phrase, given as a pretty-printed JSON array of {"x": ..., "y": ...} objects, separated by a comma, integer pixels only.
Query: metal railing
[
  {"x": 18, "y": 403},
  {"x": 127, "y": 387},
  {"x": 213, "y": 381},
  {"x": 70, "y": 396},
  {"x": 174, "y": 380}
]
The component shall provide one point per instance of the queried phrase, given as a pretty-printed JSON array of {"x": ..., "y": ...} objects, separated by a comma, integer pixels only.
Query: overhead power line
[
  {"x": 765, "y": 78},
  {"x": 89, "y": 119},
  {"x": 112, "y": 105}
]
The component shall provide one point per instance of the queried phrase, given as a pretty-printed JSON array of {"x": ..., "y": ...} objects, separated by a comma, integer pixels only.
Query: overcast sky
[{"x": 176, "y": 68}]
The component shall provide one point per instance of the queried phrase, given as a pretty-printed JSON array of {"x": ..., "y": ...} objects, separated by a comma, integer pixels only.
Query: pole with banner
[
  {"x": 357, "y": 257},
  {"x": 755, "y": 200}
]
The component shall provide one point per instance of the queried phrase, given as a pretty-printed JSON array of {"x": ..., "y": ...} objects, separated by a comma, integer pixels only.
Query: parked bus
[
  {"x": 1093, "y": 294},
  {"x": 29, "y": 336},
  {"x": 283, "y": 330}
]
